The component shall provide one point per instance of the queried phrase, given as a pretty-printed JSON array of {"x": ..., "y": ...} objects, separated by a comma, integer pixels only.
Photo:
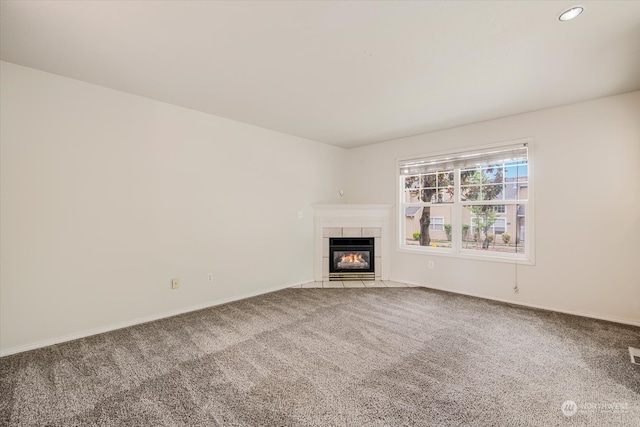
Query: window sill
[{"x": 468, "y": 255}]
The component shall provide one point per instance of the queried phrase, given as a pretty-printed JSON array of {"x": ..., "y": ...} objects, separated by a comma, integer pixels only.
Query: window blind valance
[{"x": 464, "y": 159}]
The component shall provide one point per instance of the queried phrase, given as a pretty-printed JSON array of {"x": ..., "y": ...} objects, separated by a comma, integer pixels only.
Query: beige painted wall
[
  {"x": 587, "y": 161},
  {"x": 106, "y": 196}
]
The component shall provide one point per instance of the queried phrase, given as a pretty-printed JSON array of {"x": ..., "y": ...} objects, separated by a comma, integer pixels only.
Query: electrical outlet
[
  {"x": 430, "y": 265},
  {"x": 300, "y": 214},
  {"x": 210, "y": 277},
  {"x": 175, "y": 283}
]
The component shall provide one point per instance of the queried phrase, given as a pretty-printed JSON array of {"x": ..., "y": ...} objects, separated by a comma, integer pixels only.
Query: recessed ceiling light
[{"x": 571, "y": 13}]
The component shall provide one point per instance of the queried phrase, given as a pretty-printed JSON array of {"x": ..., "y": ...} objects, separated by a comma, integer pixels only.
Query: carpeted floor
[{"x": 335, "y": 357}]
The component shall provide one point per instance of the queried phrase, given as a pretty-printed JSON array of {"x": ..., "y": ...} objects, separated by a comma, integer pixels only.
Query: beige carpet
[{"x": 334, "y": 357}]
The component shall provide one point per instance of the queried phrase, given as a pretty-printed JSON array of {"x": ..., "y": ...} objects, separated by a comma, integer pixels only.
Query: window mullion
[{"x": 456, "y": 214}]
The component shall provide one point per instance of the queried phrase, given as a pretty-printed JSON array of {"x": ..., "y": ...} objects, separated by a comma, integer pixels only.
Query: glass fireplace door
[{"x": 351, "y": 258}]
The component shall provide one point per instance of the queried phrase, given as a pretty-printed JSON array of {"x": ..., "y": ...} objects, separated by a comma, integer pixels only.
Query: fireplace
[
  {"x": 351, "y": 221},
  {"x": 351, "y": 258}
]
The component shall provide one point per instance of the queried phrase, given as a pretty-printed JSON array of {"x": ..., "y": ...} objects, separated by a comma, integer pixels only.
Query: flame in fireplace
[{"x": 353, "y": 259}]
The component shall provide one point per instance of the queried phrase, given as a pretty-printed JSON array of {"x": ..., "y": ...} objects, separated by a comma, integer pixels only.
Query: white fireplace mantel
[{"x": 372, "y": 219}]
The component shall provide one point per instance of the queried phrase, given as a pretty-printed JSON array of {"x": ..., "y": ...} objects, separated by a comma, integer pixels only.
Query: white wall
[
  {"x": 587, "y": 208},
  {"x": 106, "y": 196}
]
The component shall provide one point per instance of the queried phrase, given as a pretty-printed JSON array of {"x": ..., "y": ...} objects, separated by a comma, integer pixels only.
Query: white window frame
[{"x": 457, "y": 250}]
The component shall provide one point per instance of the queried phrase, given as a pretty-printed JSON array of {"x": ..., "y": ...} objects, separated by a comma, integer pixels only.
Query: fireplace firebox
[{"x": 351, "y": 258}]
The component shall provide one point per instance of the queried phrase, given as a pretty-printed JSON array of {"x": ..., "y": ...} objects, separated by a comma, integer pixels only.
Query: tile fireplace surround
[{"x": 351, "y": 221}]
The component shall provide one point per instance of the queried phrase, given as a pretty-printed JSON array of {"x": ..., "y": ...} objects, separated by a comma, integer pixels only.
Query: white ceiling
[{"x": 344, "y": 73}]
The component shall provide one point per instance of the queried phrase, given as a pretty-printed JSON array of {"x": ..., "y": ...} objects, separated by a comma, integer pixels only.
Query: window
[
  {"x": 437, "y": 223},
  {"x": 499, "y": 226},
  {"x": 448, "y": 202}
]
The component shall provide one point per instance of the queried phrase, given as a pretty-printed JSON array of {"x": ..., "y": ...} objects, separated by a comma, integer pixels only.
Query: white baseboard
[
  {"x": 139, "y": 320},
  {"x": 614, "y": 319}
]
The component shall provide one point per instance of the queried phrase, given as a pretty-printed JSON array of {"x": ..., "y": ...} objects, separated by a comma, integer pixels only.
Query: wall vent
[{"x": 635, "y": 355}]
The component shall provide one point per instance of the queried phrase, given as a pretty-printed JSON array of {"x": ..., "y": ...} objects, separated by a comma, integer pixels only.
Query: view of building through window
[{"x": 466, "y": 202}]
